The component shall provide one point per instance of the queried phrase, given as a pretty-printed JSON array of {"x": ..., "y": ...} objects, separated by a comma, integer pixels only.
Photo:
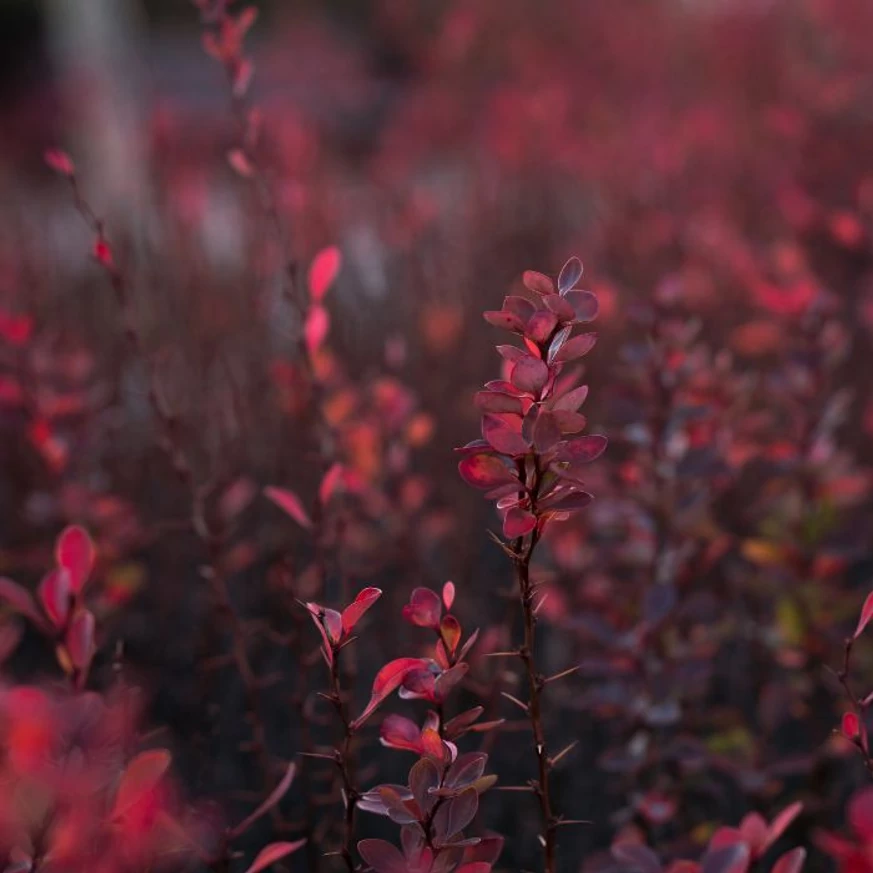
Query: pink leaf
[
  {"x": 540, "y": 325},
  {"x": 530, "y": 374},
  {"x": 54, "y": 594},
  {"x": 502, "y": 437},
  {"x": 388, "y": 679},
  {"x": 572, "y": 400},
  {"x": 576, "y": 347},
  {"x": 353, "y": 612},
  {"x": 424, "y": 608},
  {"x": 272, "y": 853},
  {"x": 866, "y": 615},
  {"x": 240, "y": 163},
  {"x": 781, "y": 823},
  {"x": 505, "y": 320},
  {"x": 584, "y": 449},
  {"x": 729, "y": 859},
  {"x": 790, "y": 862},
  {"x": 495, "y": 401},
  {"x": 74, "y": 551},
  {"x": 323, "y": 272},
  {"x": 448, "y": 594},
  {"x": 537, "y": 282},
  {"x": 140, "y": 778},
  {"x": 290, "y": 503},
  {"x": 316, "y": 328},
  {"x": 397, "y": 732},
  {"x": 80, "y": 639},
  {"x": 59, "y": 161},
  {"x": 330, "y": 483},
  {"x": 518, "y": 522}
]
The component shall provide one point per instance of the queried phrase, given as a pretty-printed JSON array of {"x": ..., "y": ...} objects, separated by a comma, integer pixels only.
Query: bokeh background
[{"x": 711, "y": 163}]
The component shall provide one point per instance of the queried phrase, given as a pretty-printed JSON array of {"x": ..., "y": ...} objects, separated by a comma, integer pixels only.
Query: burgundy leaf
[
  {"x": 517, "y": 523},
  {"x": 448, "y": 594},
  {"x": 557, "y": 343},
  {"x": 520, "y": 306},
  {"x": 485, "y": 471},
  {"x": 540, "y": 325},
  {"x": 474, "y": 447},
  {"x": 585, "y": 305},
  {"x": 570, "y": 274},
  {"x": 572, "y": 400},
  {"x": 140, "y": 778},
  {"x": 584, "y": 449},
  {"x": 493, "y": 401},
  {"x": 728, "y": 859},
  {"x": 546, "y": 432},
  {"x": 502, "y": 438},
  {"x": 569, "y": 503},
  {"x": 382, "y": 856},
  {"x": 54, "y": 595},
  {"x": 576, "y": 347},
  {"x": 424, "y": 777},
  {"x": 510, "y": 353},
  {"x": 557, "y": 304},
  {"x": 638, "y": 856},
  {"x": 455, "y": 814},
  {"x": 466, "y": 770},
  {"x": 530, "y": 374},
  {"x": 569, "y": 422},
  {"x": 505, "y": 387},
  {"x": 80, "y": 639},
  {"x": 397, "y": 732},
  {"x": 781, "y": 823},
  {"x": 448, "y": 679},
  {"x": 458, "y": 725},
  {"x": 505, "y": 320},
  {"x": 19, "y": 599},
  {"x": 537, "y": 282}
]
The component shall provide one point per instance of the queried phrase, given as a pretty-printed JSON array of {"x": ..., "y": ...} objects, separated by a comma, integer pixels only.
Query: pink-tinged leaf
[
  {"x": 455, "y": 814},
  {"x": 474, "y": 447},
  {"x": 572, "y": 502},
  {"x": 569, "y": 422},
  {"x": 572, "y": 400},
  {"x": 866, "y": 615},
  {"x": 493, "y": 401},
  {"x": 510, "y": 353},
  {"x": 329, "y": 483},
  {"x": 450, "y": 632},
  {"x": 504, "y": 320},
  {"x": 546, "y": 432},
  {"x": 584, "y": 304},
  {"x": 448, "y": 679},
  {"x": 388, "y": 679},
  {"x": 584, "y": 449},
  {"x": 730, "y": 859},
  {"x": 323, "y": 271},
  {"x": 782, "y": 822},
  {"x": 576, "y": 347},
  {"x": 860, "y": 814},
  {"x": 59, "y": 161},
  {"x": 502, "y": 438},
  {"x": 272, "y": 799},
  {"x": 424, "y": 608},
  {"x": 530, "y": 374},
  {"x": 460, "y": 724},
  {"x": 333, "y": 625},
  {"x": 54, "y": 595},
  {"x": 273, "y": 853},
  {"x": 560, "y": 307},
  {"x": 80, "y": 639},
  {"x": 448, "y": 594},
  {"x": 504, "y": 387},
  {"x": 725, "y": 836},
  {"x": 102, "y": 253},
  {"x": 316, "y": 328},
  {"x": 790, "y": 862},
  {"x": 466, "y": 770},
  {"x": 75, "y": 552},
  {"x": 485, "y": 471},
  {"x": 353, "y": 612},
  {"x": 570, "y": 274},
  {"x": 318, "y": 614},
  {"x": 20, "y": 600},
  {"x": 518, "y": 522},
  {"x": 851, "y": 726},
  {"x": 424, "y": 777},
  {"x": 537, "y": 282},
  {"x": 290, "y": 503},
  {"x": 140, "y": 778},
  {"x": 488, "y": 849},
  {"x": 540, "y": 325},
  {"x": 753, "y": 828},
  {"x": 397, "y": 732},
  {"x": 240, "y": 163},
  {"x": 471, "y": 641},
  {"x": 382, "y": 856}
]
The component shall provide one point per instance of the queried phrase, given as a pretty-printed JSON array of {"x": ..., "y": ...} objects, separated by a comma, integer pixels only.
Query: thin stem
[{"x": 343, "y": 757}]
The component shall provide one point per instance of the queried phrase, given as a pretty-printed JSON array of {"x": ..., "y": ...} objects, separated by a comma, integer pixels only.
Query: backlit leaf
[
  {"x": 290, "y": 503},
  {"x": 140, "y": 778},
  {"x": 272, "y": 853},
  {"x": 323, "y": 271}
]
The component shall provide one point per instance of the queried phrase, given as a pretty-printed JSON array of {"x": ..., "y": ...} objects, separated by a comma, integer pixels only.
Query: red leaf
[
  {"x": 576, "y": 347},
  {"x": 570, "y": 274},
  {"x": 851, "y": 725},
  {"x": 353, "y": 612},
  {"x": 330, "y": 483},
  {"x": 74, "y": 551},
  {"x": 729, "y": 859},
  {"x": 485, "y": 471},
  {"x": 102, "y": 252},
  {"x": 505, "y": 320},
  {"x": 382, "y": 856},
  {"x": 572, "y": 400},
  {"x": 316, "y": 328},
  {"x": 448, "y": 594},
  {"x": 866, "y": 615},
  {"x": 59, "y": 161},
  {"x": 540, "y": 325},
  {"x": 54, "y": 594},
  {"x": 518, "y": 522},
  {"x": 424, "y": 608},
  {"x": 140, "y": 778},
  {"x": 781, "y": 823},
  {"x": 584, "y": 449},
  {"x": 397, "y": 732},
  {"x": 495, "y": 401},
  {"x": 546, "y": 433},
  {"x": 323, "y": 272},
  {"x": 272, "y": 853},
  {"x": 240, "y": 163},
  {"x": 290, "y": 503},
  {"x": 503, "y": 438},
  {"x": 387, "y": 680},
  {"x": 530, "y": 374}
]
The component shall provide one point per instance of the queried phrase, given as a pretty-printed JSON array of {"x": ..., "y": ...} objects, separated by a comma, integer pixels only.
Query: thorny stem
[
  {"x": 860, "y": 706},
  {"x": 527, "y": 652},
  {"x": 343, "y": 757}
]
